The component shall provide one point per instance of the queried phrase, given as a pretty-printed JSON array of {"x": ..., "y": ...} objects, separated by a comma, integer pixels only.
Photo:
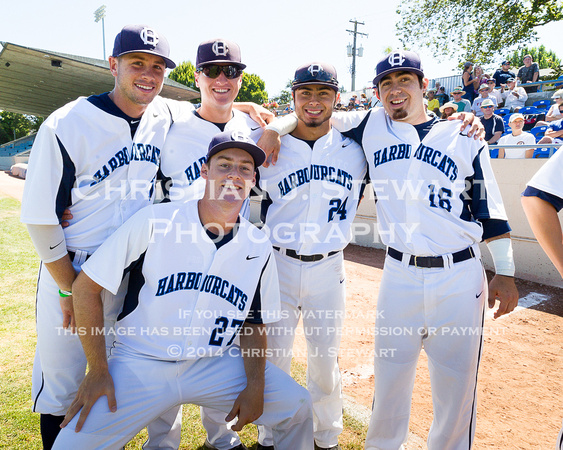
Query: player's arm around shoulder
[
  {"x": 502, "y": 286},
  {"x": 249, "y": 405},
  {"x": 346, "y": 121}
]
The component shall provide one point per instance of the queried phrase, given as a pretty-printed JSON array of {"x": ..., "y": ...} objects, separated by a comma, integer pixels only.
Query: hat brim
[
  {"x": 308, "y": 83},
  {"x": 378, "y": 78},
  {"x": 256, "y": 152},
  {"x": 169, "y": 63},
  {"x": 443, "y": 107},
  {"x": 222, "y": 61},
  {"x": 458, "y": 92}
]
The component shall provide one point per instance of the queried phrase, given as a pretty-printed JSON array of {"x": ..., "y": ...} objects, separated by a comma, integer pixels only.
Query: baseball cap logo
[
  {"x": 396, "y": 59},
  {"x": 314, "y": 69},
  {"x": 220, "y": 48},
  {"x": 238, "y": 135},
  {"x": 149, "y": 36}
]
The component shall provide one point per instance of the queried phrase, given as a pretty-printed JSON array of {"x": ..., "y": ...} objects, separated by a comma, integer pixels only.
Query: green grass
[{"x": 20, "y": 427}]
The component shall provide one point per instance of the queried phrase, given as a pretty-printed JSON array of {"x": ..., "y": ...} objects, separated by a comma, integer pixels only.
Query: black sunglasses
[{"x": 213, "y": 71}]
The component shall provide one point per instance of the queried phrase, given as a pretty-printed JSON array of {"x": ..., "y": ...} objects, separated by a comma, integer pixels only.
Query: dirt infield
[{"x": 520, "y": 395}]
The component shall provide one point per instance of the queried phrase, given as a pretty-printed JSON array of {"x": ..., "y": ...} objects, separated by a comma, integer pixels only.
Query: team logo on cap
[
  {"x": 396, "y": 59},
  {"x": 220, "y": 48},
  {"x": 149, "y": 36},
  {"x": 314, "y": 69},
  {"x": 238, "y": 135}
]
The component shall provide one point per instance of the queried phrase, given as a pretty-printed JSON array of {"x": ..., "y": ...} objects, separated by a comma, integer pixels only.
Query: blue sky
[{"x": 275, "y": 37}]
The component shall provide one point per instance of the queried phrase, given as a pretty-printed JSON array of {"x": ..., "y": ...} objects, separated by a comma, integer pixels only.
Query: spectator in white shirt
[
  {"x": 517, "y": 137},
  {"x": 515, "y": 96}
]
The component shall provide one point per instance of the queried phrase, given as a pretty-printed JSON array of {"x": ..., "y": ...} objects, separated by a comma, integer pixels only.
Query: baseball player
[
  {"x": 436, "y": 200},
  {"x": 181, "y": 314},
  {"x": 219, "y": 77},
  {"x": 99, "y": 156},
  {"x": 310, "y": 198},
  {"x": 542, "y": 200}
]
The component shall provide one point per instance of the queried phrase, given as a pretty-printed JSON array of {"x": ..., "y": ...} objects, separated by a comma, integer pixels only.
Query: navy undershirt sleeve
[{"x": 557, "y": 202}]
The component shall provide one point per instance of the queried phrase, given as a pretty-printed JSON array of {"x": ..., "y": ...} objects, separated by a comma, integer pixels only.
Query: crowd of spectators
[
  {"x": 482, "y": 94},
  {"x": 506, "y": 127}
]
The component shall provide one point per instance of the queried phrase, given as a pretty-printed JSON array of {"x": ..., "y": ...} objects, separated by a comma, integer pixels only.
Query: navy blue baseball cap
[
  {"x": 218, "y": 51},
  {"x": 236, "y": 139},
  {"x": 399, "y": 60},
  {"x": 315, "y": 73},
  {"x": 142, "y": 39}
]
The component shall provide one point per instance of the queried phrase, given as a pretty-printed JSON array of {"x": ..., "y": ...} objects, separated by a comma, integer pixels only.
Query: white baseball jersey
[
  {"x": 186, "y": 149},
  {"x": 313, "y": 194},
  {"x": 84, "y": 158},
  {"x": 187, "y": 295},
  {"x": 435, "y": 195}
]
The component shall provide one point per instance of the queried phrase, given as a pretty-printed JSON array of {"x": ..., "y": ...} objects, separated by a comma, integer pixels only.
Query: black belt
[
  {"x": 431, "y": 261},
  {"x": 72, "y": 254},
  {"x": 304, "y": 258}
]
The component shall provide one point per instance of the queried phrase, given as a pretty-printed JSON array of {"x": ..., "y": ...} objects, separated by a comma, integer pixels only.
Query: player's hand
[
  {"x": 68, "y": 313},
  {"x": 65, "y": 218},
  {"x": 270, "y": 142},
  {"x": 477, "y": 130},
  {"x": 258, "y": 113},
  {"x": 96, "y": 384},
  {"x": 503, "y": 289},
  {"x": 248, "y": 407}
]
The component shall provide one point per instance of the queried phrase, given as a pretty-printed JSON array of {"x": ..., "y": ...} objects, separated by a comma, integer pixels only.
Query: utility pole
[
  {"x": 353, "y": 51},
  {"x": 100, "y": 13}
]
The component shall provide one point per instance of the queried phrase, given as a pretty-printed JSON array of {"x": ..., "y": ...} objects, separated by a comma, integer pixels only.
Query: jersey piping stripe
[
  {"x": 136, "y": 283},
  {"x": 472, "y": 423},
  {"x": 255, "y": 311},
  {"x": 42, "y": 377},
  {"x": 68, "y": 178},
  {"x": 357, "y": 133}
]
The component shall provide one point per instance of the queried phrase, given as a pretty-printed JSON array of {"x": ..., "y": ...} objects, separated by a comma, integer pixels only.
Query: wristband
[
  {"x": 503, "y": 258},
  {"x": 283, "y": 125},
  {"x": 65, "y": 294}
]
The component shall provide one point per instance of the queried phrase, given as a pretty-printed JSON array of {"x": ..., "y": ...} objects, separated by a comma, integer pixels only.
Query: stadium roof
[{"x": 37, "y": 82}]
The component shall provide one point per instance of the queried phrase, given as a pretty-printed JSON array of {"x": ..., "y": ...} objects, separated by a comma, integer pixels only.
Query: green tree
[
  {"x": 184, "y": 73},
  {"x": 284, "y": 96},
  {"x": 15, "y": 125},
  {"x": 253, "y": 89},
  {"x": 474, "y": 30},
  {"x": 546, "y": 59}
]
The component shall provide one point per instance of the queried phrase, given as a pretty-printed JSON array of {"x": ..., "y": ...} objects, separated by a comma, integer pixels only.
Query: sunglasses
[
  {"x": 485, "y": 107},
  {"x": 213, "y": 71}
]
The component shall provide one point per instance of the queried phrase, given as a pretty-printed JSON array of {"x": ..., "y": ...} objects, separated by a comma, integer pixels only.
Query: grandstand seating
[
  {"x": 542, "y": 104},
  {"x": 544, "y": 152},
  {"x": 502, "y": 111},
  {"x": 529, "y": 110},
  {"x": 18, "y": 146},
  {"x": 494, "y": 152},
  {"x": 538, "y": 132}
]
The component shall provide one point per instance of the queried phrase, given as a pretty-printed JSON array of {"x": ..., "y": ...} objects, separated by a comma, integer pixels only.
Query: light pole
[
  {"x": 353, "y": 51},
  {"x": 100, "y": 13}
]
